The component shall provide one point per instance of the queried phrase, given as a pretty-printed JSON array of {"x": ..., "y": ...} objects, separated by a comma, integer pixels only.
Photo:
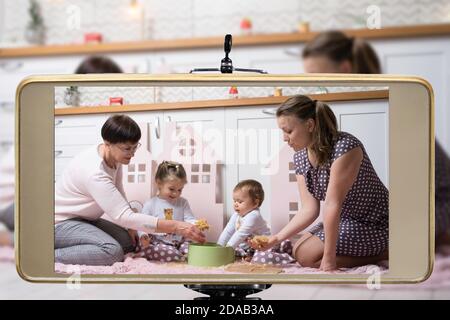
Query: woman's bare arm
[{"x": 309, "y": 211}]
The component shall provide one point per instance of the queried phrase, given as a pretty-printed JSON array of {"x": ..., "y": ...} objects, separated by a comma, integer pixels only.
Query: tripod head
[{"x": 226, "y": 64}]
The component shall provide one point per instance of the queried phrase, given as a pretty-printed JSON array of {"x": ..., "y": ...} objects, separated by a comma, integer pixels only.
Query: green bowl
[{"x": 209, "y": 255}]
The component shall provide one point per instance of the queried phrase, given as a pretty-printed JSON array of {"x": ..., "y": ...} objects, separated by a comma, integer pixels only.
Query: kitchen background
[
  {"x": 26, "y": 24},
  {"x": 125, "y": 20}
]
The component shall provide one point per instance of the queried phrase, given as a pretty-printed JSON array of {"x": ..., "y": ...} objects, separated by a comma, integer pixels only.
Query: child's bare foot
[{"x": 5, "y": 238}]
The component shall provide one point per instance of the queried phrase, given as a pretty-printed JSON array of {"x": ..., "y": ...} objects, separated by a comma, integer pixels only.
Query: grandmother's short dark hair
[{"x": 121, "y": 129}]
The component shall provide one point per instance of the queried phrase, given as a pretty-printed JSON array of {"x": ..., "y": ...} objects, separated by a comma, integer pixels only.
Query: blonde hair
[
  {"x": 325, "y": 129},
  {"x": 168, "y": 170},
  {"x": 254, "y": 190}
]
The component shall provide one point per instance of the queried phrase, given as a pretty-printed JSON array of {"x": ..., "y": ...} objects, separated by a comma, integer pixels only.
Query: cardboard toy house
[
  {"x": 138, "y": 174},
  {"x": 285, "y": 197},
  {"x": 182, "y": 144}
]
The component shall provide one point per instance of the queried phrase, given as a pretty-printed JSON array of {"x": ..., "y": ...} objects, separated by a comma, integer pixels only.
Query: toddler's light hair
[{"x": 169, "y": 170}]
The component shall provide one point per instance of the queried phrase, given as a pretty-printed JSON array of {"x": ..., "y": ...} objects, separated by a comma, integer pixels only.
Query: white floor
[{"x": 13, "y": 287}]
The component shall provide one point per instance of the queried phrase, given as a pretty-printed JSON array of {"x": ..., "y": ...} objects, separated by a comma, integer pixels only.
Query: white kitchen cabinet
[
  {"x": 427, "y": 58},
  {"x": 369, "y": 122},
  {"x": 254, "y": 141},
  {"x": 273, "y": 59},
  {"x": 73, "y": 134}
]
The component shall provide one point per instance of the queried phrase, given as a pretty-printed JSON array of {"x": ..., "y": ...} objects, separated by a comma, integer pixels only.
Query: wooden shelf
[
  {"x": 244, "y": 102},
  {"x": 217, "y": 42}
]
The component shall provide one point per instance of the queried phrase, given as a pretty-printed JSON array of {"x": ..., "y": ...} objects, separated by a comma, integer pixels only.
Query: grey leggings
[
  {"x": 99, "y": 243},
  {"x": 7, "y": 217}
]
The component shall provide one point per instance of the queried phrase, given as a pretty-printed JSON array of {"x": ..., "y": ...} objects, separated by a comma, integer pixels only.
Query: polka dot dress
[{"x": 363, "y": 229}]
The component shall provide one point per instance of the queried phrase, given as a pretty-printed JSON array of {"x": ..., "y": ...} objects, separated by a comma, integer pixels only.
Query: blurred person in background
[
  {"x": 7, "y": 178},
  {"x": 335, "y": 52}
]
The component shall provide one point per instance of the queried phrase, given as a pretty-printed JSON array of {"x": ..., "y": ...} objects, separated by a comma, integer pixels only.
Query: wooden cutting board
[{"x": 253, "y": 268}]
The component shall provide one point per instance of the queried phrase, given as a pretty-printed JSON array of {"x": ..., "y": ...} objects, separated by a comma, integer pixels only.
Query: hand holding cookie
[
  {"x": 202, "y": 224},
  {"x": 259, "y": 242}
]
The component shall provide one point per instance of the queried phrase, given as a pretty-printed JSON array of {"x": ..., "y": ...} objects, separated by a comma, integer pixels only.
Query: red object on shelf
[
  {"x": 94, "y": 37},
  {"x": 233, "y": 90},
  {"x": 116, "y": 101},
  {"x": 246, "y": 24}
]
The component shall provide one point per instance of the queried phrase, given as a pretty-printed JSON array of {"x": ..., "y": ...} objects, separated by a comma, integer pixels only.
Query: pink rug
[
  {"x": 440, "y": 278},
  {"x": 6, "y": 254},
  {"x": 142, "y": 266}
]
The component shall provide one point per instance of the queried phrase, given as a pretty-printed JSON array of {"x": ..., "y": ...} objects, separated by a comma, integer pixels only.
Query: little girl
[
  {"x": 247, "y": 222},
  {"x": 170, "y": 179}
]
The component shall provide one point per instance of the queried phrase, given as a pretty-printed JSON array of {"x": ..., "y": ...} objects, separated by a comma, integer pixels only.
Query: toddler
[
  {"x": 170, "y": 179},
  {"x": 247, "y": 222}
]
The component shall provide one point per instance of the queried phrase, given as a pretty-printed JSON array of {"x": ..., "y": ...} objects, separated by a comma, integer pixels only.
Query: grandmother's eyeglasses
[{"x": 129, "y": 149}]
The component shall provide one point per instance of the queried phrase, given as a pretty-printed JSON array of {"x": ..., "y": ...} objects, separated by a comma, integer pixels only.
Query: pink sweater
[{"x": 88, "y": 189}]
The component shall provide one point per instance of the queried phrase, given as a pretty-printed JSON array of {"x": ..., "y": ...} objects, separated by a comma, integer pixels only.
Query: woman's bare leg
[
  {"x": 350, "y": 262},
  {"x": 308, "y": 250}
]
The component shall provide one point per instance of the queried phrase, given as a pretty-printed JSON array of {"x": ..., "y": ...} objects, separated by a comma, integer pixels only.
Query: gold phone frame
[{"x": 411, "y": 204}]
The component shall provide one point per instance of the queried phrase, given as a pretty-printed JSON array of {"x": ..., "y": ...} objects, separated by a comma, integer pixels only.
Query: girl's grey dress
[{"x": 363, "y": 229}]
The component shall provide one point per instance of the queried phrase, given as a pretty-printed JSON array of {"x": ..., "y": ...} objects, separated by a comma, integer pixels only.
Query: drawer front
[
  {"x": 60, "y": 165},
  {"x": 78, "y": 130},
  {"x": 77, "y": 137},
  {"x": 79, "y": 121},
  {"x": 67, "y": 151}
]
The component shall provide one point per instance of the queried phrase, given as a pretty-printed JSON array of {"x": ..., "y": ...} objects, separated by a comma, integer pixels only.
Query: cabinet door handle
[
  {"x": 58, "y": 122},
  {"x": 58, "y": 153},
  {"x": 149, "y": 138},
  {"x": 6, "y": 144},
  {"x": 11, "y": 66},
  {"x": 158, "y": 128},
  {"x": 7, "y": 106},
  {"x": 292, "y": 52},
  {"x": 270, "y": 111}
]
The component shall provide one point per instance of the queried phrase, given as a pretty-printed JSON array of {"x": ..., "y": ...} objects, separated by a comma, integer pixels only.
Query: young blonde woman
[
  {"x": 335, "y": 52},
  {"x": 333, "y": 167}
]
